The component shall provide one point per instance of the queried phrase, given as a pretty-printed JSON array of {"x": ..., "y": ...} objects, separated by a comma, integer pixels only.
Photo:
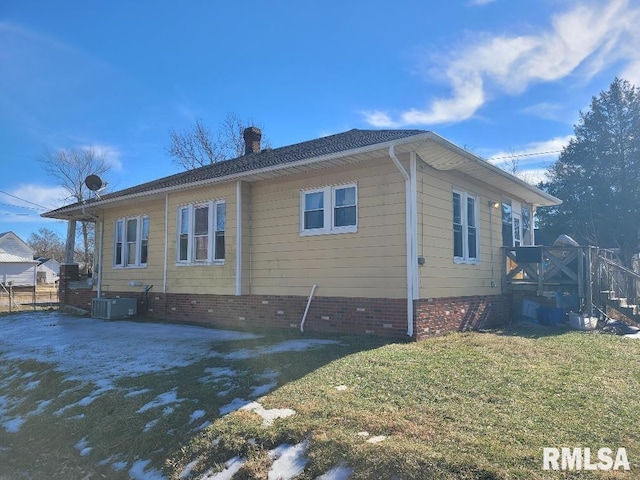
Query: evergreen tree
[{"x": 597, "y": 175}]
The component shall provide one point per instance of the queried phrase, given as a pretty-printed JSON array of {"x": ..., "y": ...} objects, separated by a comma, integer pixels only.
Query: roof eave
[
  {"x": 532, "y": 194},
  {"x": 70, "y": 211}
]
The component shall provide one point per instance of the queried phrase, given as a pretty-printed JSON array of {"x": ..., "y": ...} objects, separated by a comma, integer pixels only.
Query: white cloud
[
  {"x": 533, "y": 176},
  {"x": 536, "y": 152},
  {"x": 34, "y": 197},
  {"x": 586, "y": 38},
  {"x": 378, "y": 119},
  {"x": 111, "y": 155},
  {"x": 545, "y": 110}
]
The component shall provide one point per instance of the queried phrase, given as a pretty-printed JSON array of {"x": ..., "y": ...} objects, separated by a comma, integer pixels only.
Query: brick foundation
[
  {"x": 362, "y": 316},
  {"x": 386, "y": 317},
  {"x": 441, "y": 315}
]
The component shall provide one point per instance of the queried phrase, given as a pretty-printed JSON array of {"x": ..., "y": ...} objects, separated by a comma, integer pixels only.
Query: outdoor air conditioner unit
[{"x": 111, "y": 308}]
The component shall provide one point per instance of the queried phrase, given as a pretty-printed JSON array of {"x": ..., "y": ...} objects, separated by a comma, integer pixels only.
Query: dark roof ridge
[{"x": 318, "y": 147}]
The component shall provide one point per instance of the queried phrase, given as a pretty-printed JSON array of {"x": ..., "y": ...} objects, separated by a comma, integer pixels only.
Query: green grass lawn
[{"x": 468, "y": 405}]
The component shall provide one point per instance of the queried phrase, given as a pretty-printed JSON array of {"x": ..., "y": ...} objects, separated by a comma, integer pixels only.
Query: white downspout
[
  {"x": 166, "y": 242},
  {"x": 306, "y": 310},
  {"x": 239, "y": 237},
  {"x": 411, "y": 262},
  {"x": 413, "y": 169},
  {"x": 100, "y": 257}
]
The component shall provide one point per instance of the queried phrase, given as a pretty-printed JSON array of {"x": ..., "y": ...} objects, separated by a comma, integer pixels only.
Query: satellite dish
[{"x": 93, "y": 183}]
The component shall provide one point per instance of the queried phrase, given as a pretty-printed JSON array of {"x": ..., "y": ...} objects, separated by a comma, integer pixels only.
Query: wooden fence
[{"x": 34, "y": 300}]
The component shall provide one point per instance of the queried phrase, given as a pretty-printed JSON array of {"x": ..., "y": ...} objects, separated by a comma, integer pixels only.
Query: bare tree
[
  {"x": 70, "y": 167},
  {"x": 198, "y": 146},
  {"x": 47, "y": 243}
]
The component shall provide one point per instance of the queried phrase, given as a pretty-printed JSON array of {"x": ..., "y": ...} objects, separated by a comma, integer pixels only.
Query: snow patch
[
  {"x": 32, "y": 385},
  {"x": 234, "y": 405},
  {"x": 138, "y": 471},
  {"x": 135, "y": 393},
  {"x": 341, "y": 388},
  {"x": 196, "y": 415},
  {"x": 217, "y": 374},
  {"x": 231, "y": 467},
  {"x": 13, "y": 425},
  {"x": 83, "y": 447},
  {"x": 150, "y": 425},
  {"x": 289, "y": 461},
  {"x": 186, "y": 471},
  {"x": 268, "y": 416},
  {"x": 75, "y": 349},
  {"x": 262, "y": 389},
  {"x": 341, "y": 472},
  {"x": 119, "y": 466},
  {"x": 166, "y": 398},
  {"x": 282, "y": 347},
  {"x": 377, "y": 439}
]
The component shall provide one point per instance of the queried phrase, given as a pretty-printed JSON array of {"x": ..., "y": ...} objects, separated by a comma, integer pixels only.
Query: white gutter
[
  {"x": 239, "y": 237},
  {"x": 166, "y": 242},
  {"x": 410, "y": 238},
  {"x": 248, "y": 173}
]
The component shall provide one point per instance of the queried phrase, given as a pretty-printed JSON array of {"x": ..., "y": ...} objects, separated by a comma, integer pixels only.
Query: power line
[
  {"x": 23, "y": 200},
  {"x": 20, "y": 206},
  {"x": 518, "y": 155}
]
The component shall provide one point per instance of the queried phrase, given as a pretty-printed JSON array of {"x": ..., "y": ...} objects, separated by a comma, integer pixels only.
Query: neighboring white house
[
  {"x": 48, "y": 270},
  {"x": 17, "y": 266}
]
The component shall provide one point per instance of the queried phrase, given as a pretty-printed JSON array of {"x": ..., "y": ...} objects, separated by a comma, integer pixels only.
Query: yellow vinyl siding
[
  {"x": 366, "y": 263},
  {"x": 440, "y": 276},
  {"x": 117, "y": 279},
  {"x": 201, "y": 278}
]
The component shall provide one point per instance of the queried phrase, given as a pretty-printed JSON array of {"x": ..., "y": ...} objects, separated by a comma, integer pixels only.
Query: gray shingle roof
[{"x": 332, "y": 144}]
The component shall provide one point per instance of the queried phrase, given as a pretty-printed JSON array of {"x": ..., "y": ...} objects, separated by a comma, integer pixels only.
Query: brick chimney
[{"x": 252, "y": 136}]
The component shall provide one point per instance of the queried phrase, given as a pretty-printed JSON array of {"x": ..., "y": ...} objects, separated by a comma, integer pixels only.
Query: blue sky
[{"x": 498, "y": 77}]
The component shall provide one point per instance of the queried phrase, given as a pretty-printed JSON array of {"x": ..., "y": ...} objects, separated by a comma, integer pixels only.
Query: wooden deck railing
[
  {"x": 591, "y": 273},
  {"x": 541, "y": 268}
]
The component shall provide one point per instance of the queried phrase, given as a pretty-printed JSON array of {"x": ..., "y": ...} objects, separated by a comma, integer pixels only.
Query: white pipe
[
  {"x": 100, "y": 257},
  {"x": 411, "y": 261},
  {"x": 306, "y": 310},
  {"x": 166, "y": 242},
  {"x": 239, "y": 237},
  {"x": 413, "y": 168}
]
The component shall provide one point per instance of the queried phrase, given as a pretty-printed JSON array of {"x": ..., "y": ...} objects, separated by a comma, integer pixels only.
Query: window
[
  {"x": 516, "y": 224},
  {"x": 465, "y": 228},
  {"x": 329, "y": 210},
  {"x": 527, "y": 234},
  {"x": 507, "y": 224},
  {"x": 131, "y": 242},
  {"x": 201, "y": 231}
]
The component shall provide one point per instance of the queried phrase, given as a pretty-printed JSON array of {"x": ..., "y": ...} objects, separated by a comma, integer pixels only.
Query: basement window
[
  {"x": 327, "y": 210},
  {"x": 131, "y": 242},
  {"x": 201, "y": 233}
]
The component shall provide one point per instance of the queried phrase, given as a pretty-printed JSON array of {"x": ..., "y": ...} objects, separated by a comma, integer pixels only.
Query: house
[
  {"x": 387, "y": 232},
  {"x": 17, "y": 266},
  {"x": 48, "y": 270}
]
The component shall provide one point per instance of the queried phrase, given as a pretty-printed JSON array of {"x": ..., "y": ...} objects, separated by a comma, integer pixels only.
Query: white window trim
[
  {"x": 213, "y": 211},
  {"x": 329, "y": 211},
  {"x": 465, "y": 228},
  {"x": 125, "y": 245}
]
